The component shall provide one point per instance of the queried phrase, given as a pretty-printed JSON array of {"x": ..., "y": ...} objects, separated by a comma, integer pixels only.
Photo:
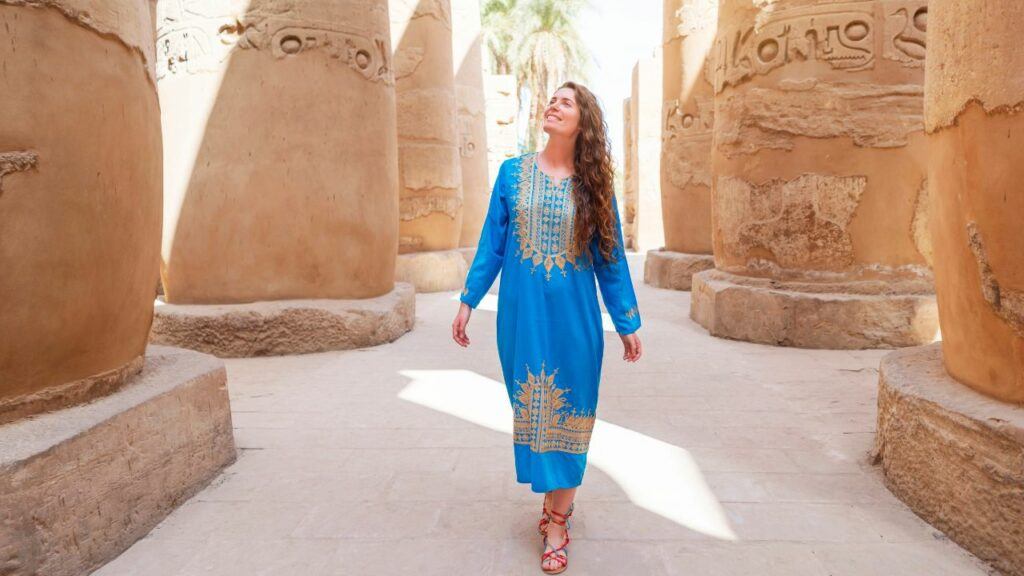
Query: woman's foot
[
  {"x": 556, "y": 538},
  {"x": 545, "y": 517}
]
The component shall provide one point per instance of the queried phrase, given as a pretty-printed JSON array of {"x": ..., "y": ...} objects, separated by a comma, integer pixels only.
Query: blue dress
[{"x": 550, "y": 333}]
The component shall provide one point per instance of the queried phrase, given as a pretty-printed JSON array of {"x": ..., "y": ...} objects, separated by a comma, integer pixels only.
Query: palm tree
[
  {"x": 549, "y": 53},
  {"x": 536, "y": 40}
]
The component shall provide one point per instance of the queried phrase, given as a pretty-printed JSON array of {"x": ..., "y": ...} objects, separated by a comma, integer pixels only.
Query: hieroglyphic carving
[
  {"x": 16, "y": 162},
  {"x": 679, "y": 123},
  {"x": 801, "y": 222},
  {"x": 1006, "y": 303},
  {"x": 841, "y": 35},
  {"x": 197, "y": 36},
  {"x": 906, "y": 27},
  {"x": 420, "y": 206},
  {"x": 467, "y": 144}
]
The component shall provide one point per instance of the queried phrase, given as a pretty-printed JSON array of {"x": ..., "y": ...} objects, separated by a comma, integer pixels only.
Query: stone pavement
[{"x": 710, "y": 457}]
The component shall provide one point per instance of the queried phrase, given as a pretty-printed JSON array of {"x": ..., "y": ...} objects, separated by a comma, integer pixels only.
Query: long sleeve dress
[{"x": 550, "y": 333}]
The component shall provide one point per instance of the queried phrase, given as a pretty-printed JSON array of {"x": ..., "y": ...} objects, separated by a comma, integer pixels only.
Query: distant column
[
  {"x": 629, "y": 191},
  {"x": 690, "y": 27},
  {"x": 645, "y": 112},
  {"x": 281, "y": 176},
  {"x": 502, "y": 109},
  {"x": 951, "y": 415},
  {"x": 467, "y": 58},
  {"x": 819, "y": 169},
  {"x": 429, "y": 165}
]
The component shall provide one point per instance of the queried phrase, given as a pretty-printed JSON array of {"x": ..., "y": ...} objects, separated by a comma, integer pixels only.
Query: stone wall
[
  {"x": 467, "y": 58},
  {"x": 429, "y": 173},
  {"x": 629, "y": 183},
  {"x": 688, "y": 119},
  {"x": 643, "y": 211},
  {"x": 280, "y": 150},
  {"x": 80, "y": 179}
]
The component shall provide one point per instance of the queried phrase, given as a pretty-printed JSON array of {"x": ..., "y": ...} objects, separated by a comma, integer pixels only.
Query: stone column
[
  {"x": 951, "y": 416},
  {"x": 429, "y": 165},
  {"x": 502, "y": 136},
  {"x": 80, "y": 217},
  {"x": 689, "y": 33},
  {"x": 819, "y": 164},
  {"x": 643, "y": 212},
  {"x": 281, "y": 171},
  {"x": 467, "y": 58},
  {"x": 629, "y": 191}
]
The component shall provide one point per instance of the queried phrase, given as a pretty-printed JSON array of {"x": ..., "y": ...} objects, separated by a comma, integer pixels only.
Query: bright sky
[{"x": 618, "y": 33}]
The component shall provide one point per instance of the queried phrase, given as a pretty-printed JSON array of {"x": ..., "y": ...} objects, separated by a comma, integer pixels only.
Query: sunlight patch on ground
[{"x": 655, "y": 475}]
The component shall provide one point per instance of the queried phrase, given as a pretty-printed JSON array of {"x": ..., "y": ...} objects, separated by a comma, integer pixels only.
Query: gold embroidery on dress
[
  {"x": 465, "y": 291},
  {"x": 631, "y": 312},
  {"x": 543, "y": 418},
  {"x": 544, "y": 219}
]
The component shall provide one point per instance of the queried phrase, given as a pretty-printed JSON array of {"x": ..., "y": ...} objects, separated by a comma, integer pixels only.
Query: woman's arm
[
  {"x": 491, "y": 248},
  {"x": 615, "y": 282}
]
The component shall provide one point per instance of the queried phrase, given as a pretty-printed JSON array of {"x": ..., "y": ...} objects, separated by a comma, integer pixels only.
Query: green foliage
[{"x": 537, "y": 42}]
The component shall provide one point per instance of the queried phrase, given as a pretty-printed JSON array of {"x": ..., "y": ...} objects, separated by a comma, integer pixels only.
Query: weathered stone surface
[
  {"x": 688, "y": 120},
  {"x": 284, "y": 327},
  {"x": 629, "y": 184},
  {"x": 79, "y": 486},
  {"x": 467, "y": 59},
  {"x": 280, "y": 146},
  {"x": 80, "y": 172},
  {"x": 434, "y": 271},
  {"x": 502, "y": 139},
  {"x": 643, "y": 221},
  {"x": 429, "y": 156},
  {"x": 819, "y": 156},
  {"x": 882, "y": 313},
  {"x": 976, "y": 163},
  {"x": 955, "y": 456},
  {"x": 674, "y": 270}
]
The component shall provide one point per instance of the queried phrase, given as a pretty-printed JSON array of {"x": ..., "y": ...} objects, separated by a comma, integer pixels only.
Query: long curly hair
[{"x": 593, "y": 186}]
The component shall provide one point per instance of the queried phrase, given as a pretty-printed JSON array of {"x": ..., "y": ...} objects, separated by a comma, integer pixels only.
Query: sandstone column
[
  {"x": 281, "y": 170},
  {"x": 644, "y": 213},
  {"x": 629, "y": 188},
  {"x": 689, "y": 33},
  {"x": 80, "y": 218},
  {"x": 502, "y": 108},
  {"x": 951, "y": 416},
  {"x": 819, "y": 164},
  {"x": 429, "y": 173},
  {"x": 467, "y": 59}
]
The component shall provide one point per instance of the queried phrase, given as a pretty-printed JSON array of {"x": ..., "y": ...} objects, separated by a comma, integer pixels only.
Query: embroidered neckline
[{"x": 544, "y": 219}]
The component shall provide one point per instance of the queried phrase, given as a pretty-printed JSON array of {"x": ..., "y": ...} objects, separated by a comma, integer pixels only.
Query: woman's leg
[{"x": 559, "y": 502}]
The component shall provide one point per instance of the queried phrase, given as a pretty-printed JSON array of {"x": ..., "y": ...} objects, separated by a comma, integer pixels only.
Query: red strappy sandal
[
  {"x": 545, "y": 517},
  {"x": 559, "y": 554}
]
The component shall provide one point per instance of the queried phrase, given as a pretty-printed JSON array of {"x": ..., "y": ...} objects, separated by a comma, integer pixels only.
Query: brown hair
[{"x": 593, "y": 188}]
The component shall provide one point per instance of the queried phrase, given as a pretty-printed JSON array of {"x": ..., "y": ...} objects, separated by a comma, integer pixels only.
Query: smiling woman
[{"x": 552, "y": 227}]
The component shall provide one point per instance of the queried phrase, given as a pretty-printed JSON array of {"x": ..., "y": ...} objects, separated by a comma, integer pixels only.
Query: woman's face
[{"x": 562, "y": 115}]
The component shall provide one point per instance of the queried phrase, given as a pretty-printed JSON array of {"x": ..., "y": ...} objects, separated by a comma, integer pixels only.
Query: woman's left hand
[{"x": 633, "y": 347}]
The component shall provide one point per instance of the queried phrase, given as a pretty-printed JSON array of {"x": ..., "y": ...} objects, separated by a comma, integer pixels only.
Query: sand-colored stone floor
[{"x": 710, "y": 457}]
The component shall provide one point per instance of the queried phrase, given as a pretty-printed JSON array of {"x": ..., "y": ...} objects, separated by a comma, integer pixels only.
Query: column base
[
  {"x": 283, "y": 327},
  {"x": 953, "y": 455},
  {"x": 78, "y": 486},
  {"x": 674, "y": 270},
  {"x": 833, "y": 315},
  {"x": 435, "y": 271}
]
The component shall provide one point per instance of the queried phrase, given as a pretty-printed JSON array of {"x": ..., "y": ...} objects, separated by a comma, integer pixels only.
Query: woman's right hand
[{"x": 459, "y": 325}]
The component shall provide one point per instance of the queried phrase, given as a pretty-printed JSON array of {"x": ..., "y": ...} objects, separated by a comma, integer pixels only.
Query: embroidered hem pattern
[
  {"x": 544, "y": 219},
  {"x": 545, "y": 421}
]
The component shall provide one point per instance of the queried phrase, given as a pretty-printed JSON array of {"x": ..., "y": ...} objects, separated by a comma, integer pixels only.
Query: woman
[{"x": 552, "y": 226}]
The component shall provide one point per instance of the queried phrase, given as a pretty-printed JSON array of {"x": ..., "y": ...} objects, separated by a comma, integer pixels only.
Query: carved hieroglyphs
[
  {"x": 79, "y": 200},
  {"x": 280, "y": 147},
  {"x": 643, "y": 206},
  {"x": 688, "y": 112},
  {"x": 819, "y": 155},
  {"x": 467, "y": 58},
  {"x": 429, "y": 172}
]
